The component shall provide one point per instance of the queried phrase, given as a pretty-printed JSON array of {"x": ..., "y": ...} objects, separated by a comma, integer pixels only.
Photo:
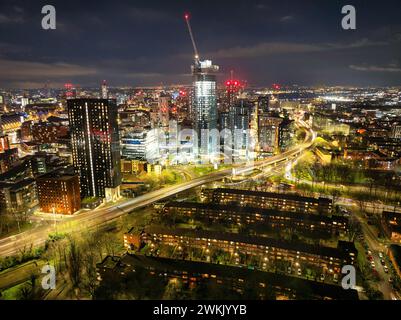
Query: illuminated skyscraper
[
  {"x": 163, "y": 104},
  {"x": 269, "y": 133},
  {"x": 204, "y": 104},
  {"x": 105, "y": 93},
  {"x": 95, "y": 146}
]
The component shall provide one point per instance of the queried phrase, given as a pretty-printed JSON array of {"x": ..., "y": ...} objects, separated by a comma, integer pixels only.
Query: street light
[{"x": 54, "y": 218}]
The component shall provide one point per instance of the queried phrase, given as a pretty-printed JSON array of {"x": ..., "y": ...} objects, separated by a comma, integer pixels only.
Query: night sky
[{"x": 146, "y": 43}]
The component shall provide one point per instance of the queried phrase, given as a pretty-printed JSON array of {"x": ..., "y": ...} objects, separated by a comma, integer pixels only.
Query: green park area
[
  {"x": 346, "y": 178},
  {"x": 74, "y": 257}
]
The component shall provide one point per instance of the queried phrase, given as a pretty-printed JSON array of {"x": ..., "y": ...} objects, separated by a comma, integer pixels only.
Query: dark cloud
[
  {"x": 286, "y": 18},
  {"x": 387, "y": 68},
  {"x": 146, "y": 42}
]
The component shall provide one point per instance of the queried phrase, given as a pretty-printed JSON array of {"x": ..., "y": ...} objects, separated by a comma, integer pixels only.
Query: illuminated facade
[
  {"x": 18, "y": 196},
  {"x": 105, "y": 92},
  {"x": 194, "y": 273},
  {"x": 164, "y": 110},
  {"x": 7, "y": 158},
  {"x": 95, "y": 146},
  {"x": 327, "y": 259},
  {"x": 59, "y": 193},
  {"x": 44, "y": 132},
  {"x": 216, "y": 213},
  {"x": 204, "y": 106},
  {"x": 4, "y": 143},
  {"x": 268, "y": 133},
  {"x": 240, "y": 117},
  {"x": 268, "y": 200},
  {"x": 140, "y": 145}
]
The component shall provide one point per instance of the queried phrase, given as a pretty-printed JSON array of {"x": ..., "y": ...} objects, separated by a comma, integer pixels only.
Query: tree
[
  {"x": 31, "y": 291},
  {"x": 5, "y": 223},
  {"x": 336, "y": 194},
  {"x": 112, "y": 245},
  {"x": 361, "y": 201},
  {"x": 354, "y": 227},
  {"x": 89, "y": 268},
  {"x": 74, "y": 259}
]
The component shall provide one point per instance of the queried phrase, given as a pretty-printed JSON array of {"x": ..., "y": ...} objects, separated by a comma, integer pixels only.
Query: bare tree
[
  {"x": 361, "y": 200},
  {"x": 74, "y": 259},
  {"x": 336, "y": 194},
  {"x": 89, "y": 267}
]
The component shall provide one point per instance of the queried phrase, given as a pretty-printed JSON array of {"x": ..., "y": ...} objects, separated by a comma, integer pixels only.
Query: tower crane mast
[{"x": 186, "y": 16}]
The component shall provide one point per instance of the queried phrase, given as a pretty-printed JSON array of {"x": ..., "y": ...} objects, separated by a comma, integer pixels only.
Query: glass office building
[{"x": 204, "y": 107}]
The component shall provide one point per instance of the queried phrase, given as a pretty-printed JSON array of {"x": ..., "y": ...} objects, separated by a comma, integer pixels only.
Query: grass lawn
[
  {"x": 12, "y": 293},
  {"x": 14, "y": 230}
]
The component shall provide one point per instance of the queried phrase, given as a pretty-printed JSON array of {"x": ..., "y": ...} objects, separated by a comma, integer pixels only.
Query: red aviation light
[{"x": 186, "y": 16}]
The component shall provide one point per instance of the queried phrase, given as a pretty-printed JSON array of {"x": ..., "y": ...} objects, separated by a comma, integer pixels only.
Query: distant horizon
[{"x": 170, "y": 86}]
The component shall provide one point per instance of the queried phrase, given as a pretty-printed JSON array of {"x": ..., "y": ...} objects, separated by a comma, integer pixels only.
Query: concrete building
[
  {"x": 268, "y": 200},
  {"x": 266, "y": 250},
  {"x": 95, "y": 146},
  {"x": 196, "y": 273},
  {"x": 217, "y": 213},
  {"x": 59, "y": 193}
]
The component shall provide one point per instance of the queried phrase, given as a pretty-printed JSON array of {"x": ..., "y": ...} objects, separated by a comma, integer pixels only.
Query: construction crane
[{"x": 186, "y": 16}]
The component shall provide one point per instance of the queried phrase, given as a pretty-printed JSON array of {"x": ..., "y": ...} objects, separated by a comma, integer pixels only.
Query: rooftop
[
  {"x": 194, "y": 267},
  {"x": 252, "y": 240},
  {"x": 252, "y": 210},
  {"x": 287, "y": 196}
]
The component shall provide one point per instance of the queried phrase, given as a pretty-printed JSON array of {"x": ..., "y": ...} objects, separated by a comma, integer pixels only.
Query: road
[
  {"x": 370, "y": 236},
  {"x": 37, "y": 237},
  {"x": 375, "y": 245},
  {"x": 19, "y": 274}
]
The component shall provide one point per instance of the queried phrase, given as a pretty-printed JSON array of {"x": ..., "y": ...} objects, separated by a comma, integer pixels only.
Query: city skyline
[
  {"x": 205, "y": 151},
  {"x": 146, "y": 43}
]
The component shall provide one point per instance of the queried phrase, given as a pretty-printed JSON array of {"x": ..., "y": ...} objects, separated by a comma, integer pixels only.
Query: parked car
[
  {"x": 322, "y": 277},
  {"x": 335, "y": 278},
  {"x": 385, "y": 269},
  {"x": 382, "y": 262},
  {"x": 299, "y": 272},
  {"x": 381, "y": 255}
]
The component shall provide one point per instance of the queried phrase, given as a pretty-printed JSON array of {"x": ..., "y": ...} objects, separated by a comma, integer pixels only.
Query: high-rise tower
[
  {"x": 204, "y": 101},
  {"x": 95, "y": 146},
  {"x": 105, "y": 92},
  {"x": 204, "y": 104}
]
